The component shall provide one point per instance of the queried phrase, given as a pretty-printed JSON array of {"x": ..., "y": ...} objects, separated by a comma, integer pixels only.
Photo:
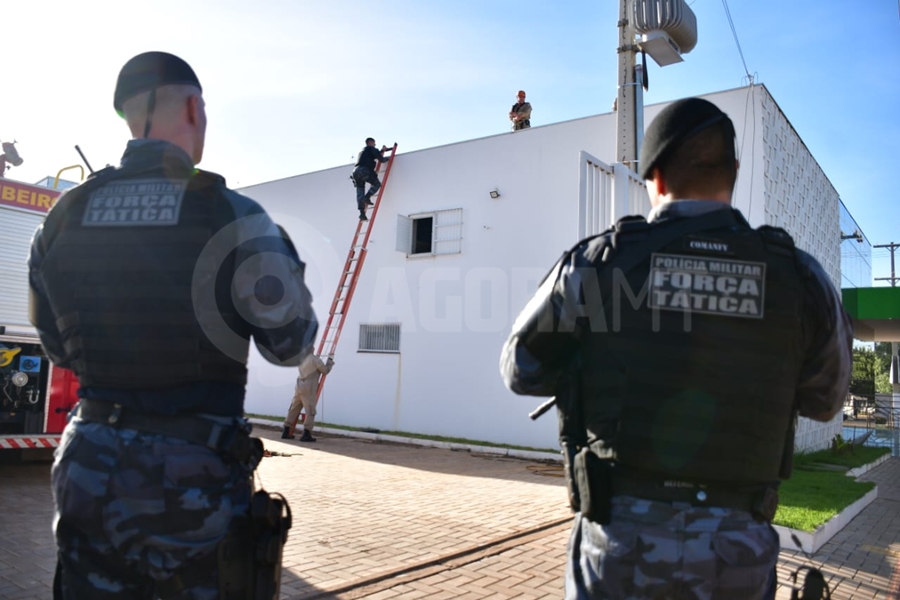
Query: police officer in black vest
[
  {"x": 680, "y": 350},
  {"x": 148, "y": 281},
  {"x": 365, "y": 173}
]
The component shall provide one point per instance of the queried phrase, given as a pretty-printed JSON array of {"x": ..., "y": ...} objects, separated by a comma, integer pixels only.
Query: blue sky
[{"x": 295, "y": 86}]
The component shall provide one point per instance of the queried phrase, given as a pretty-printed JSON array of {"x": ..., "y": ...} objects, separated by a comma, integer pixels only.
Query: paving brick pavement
[
  {"x": 27, "y": 551},
  {"x": 378, "y": 520},
  {"x": 377, "y": 507},
  {"x": 862, "y": 561}
]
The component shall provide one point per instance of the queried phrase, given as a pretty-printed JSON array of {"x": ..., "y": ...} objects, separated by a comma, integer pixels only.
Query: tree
[
  {"x": 883, "y": 383},
  {"x": 864, "y": 363},
  {"x": 862, "y": 381},
  {"x": 883, "y": 352},
  {"x": 871, "y": 366}
]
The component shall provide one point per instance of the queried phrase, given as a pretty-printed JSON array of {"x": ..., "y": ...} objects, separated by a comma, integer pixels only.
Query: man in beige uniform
[
  {"x": 520, "y": 113},
  {"x": 311, "y": 369}
]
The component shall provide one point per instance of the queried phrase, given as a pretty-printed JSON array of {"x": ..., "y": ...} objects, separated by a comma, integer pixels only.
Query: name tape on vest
[
  {"x": 138, "y": 202},
  {"x": 730, "y": 288},
  {"x": 707, "y": 245}
]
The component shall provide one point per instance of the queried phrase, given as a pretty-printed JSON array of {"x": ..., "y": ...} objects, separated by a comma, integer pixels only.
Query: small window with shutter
[{"x": 430, "y": 234}]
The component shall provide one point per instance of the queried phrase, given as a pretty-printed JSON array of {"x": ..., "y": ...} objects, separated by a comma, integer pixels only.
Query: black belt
[
  {"x": 231, "y": 441},
  {"x": 761, "y": 502}
]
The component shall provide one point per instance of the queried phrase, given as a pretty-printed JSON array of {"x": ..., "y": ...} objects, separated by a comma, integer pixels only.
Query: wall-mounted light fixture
[{"x": 495, "y": 193}]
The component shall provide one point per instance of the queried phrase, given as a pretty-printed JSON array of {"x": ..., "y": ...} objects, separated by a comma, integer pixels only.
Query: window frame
[
  {"x": 388, "y": 332},
  {"x": 450, "y": 243}
]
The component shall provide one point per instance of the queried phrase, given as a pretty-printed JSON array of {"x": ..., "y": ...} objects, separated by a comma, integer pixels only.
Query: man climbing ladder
[
  {"x": 340, "y": 305},
  {"x": 365, "y": 172}
]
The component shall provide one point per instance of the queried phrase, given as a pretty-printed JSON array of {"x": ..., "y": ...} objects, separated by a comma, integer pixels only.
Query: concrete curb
[
  {"x": 473, "y": 448},
  {"x": 860, "y": 471},
  {"x": 811, "y": 542}
]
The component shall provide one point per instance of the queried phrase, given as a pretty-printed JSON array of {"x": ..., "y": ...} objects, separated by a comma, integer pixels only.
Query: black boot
[
  {"x": 286, "y": 433},
  {"x": 362, "y": 216},
  {"x": 307, "y": 436}
]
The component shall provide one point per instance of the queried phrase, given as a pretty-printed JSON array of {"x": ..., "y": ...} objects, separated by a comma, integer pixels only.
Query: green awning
[{"x": 875, "y": 312}]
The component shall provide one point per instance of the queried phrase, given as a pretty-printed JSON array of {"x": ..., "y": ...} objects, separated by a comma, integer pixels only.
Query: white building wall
[
  {"x": 455, "y": 310},
  {"x": 801, "y": 199}
]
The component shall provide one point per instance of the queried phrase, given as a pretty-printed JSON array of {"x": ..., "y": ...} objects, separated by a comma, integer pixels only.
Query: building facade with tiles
[{"x": 450, "y": 265}]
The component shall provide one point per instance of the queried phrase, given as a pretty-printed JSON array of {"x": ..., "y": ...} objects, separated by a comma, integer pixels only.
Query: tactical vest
[
  {"x": 693, "y": 374},
  {"x": 367, "y": 157},
  {"x": 126, "y": 282}
]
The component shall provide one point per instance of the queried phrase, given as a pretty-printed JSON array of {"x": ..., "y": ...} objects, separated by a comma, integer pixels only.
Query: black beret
[
  {"x": 673, "y": 126},
  {"x": 151, "y": 70}
]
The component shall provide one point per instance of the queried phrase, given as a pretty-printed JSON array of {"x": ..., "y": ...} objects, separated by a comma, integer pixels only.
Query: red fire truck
[{"x": 35, "y": 396}]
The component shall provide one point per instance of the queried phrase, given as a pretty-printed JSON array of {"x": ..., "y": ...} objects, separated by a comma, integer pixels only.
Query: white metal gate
[{"x": 606, "y": 194}]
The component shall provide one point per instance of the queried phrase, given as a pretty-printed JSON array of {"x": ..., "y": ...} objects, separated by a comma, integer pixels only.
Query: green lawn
[
  {"x": 859, "y": 457},
  {"x": 810, "y": 498}
]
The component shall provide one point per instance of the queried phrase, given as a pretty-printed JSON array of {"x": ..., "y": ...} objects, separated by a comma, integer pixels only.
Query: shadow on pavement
[{"x": 435, "y": 460}]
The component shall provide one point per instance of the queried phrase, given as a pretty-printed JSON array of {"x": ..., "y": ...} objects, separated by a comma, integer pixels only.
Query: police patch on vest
[
  {"x": 140, "y": 202},
  {"x": 730, "y": 288}
]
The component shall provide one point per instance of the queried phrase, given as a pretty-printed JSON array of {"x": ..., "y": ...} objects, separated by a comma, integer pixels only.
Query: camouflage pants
[
  {"x": 653, "y": 550},
  {"x": 365, "y": 175},
  {"x": 134, "y": 509}
]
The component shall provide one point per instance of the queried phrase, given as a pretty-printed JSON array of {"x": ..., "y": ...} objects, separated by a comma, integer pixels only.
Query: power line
[
  {"x": 734, "y": 33},
  {"x": 750, "y": 89}
]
